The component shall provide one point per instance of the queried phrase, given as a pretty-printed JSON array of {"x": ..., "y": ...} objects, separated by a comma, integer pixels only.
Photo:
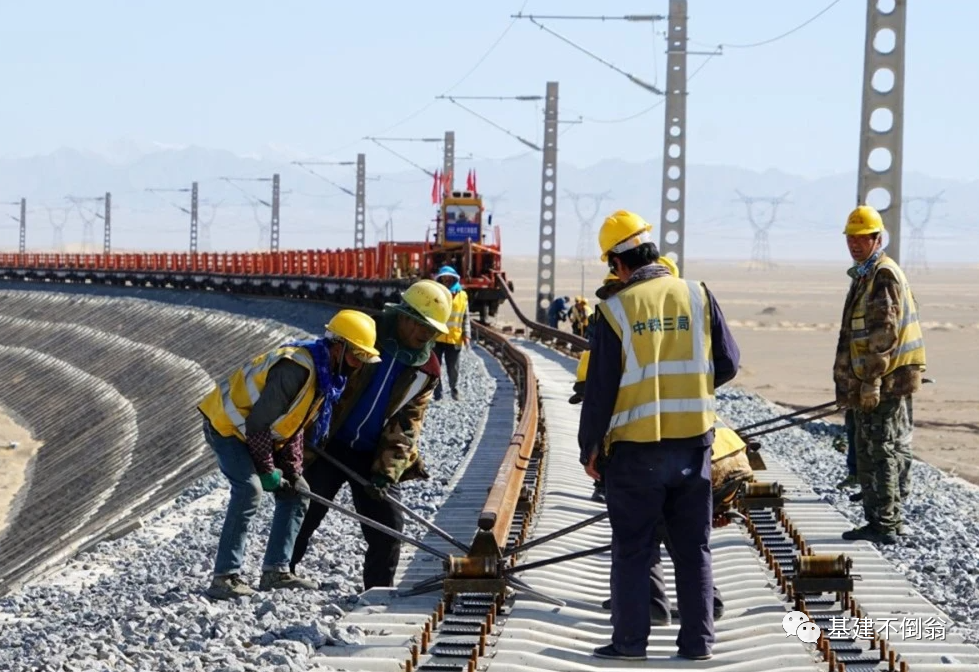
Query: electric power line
[
  {"x": 760, "y": 251},
  {"x": 917, "y": 257},
  {"x": 585, "y": 221},
  {"x": 462, "y": 79}
]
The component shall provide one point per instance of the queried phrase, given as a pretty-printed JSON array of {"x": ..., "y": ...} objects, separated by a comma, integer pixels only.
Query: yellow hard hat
[
  {"x": 608, "y": 284},
  {"x": 358, "y": 330},
  {"x": 621, "y": 231},
  {"x": 432, "y": 301},
  {"x": 611, "y": 277},
  {"x": 670, "y": 264},
  {"x": 863, "y": 221}
]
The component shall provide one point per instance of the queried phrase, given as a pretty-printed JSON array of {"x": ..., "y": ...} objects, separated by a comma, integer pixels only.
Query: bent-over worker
[
  {"x": 256, "y": 420},
  {"x": 377, "y": 425},
  {"x": 659, "y": 350}
]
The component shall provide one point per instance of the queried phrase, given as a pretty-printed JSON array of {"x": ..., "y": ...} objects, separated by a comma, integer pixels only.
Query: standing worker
[
  {"x": 256, "y": 421},
  {"x": 659, "y": 350},
  {"x": 880, "y": 357},
  {"x": 449, "y": 346},
  {"x": 377, "y": 425}
]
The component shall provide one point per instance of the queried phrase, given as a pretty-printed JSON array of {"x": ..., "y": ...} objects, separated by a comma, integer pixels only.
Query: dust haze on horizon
[{"x": 123, "y": 97}]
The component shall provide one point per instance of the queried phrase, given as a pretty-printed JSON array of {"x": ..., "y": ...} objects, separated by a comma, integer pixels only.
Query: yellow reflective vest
[
  {"x": 667, "y": 385},
  {"x": 910, "y": 348},
  {"x": 582, "y": 371},
  {"x": 230, "y": 402},
  {"x": 460, "y": 306}
]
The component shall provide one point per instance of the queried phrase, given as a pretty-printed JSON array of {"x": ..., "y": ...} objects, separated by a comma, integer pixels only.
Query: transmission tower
[
  {"x": 58, "y": 229},
  {"x": 586, "y": 239},
  {"x": 385, "y": 230},
  {"x": 88, "y": 218},
  {"x": 760, "y": 252},
  {"x": 917, "y": 260}
]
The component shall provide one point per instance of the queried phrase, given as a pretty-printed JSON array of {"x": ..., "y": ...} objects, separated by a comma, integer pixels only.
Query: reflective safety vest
[
  {"x": 460, "y": 306},
  {"x": 582, "y": 372},
  {"x": 230, "y": 402},
  {"x": 910, "y": 349},
  {"x": 667, "y": 385}
]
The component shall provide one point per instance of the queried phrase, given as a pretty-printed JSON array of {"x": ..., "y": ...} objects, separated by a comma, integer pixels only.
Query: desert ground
[
  {"x": 786, "y": 320},
  {"x": 13, "y": 461}
]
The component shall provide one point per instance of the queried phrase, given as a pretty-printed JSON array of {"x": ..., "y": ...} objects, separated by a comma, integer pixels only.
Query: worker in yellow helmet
[
  {"x": 256, "y": 421},
  {"x": 378, "y": 422},
  {"x": 659, "y": 350},
  {"x": 880, "y": 357},
  {"x": 449, "y": 346},
  {"x": 580, "y": 316}
]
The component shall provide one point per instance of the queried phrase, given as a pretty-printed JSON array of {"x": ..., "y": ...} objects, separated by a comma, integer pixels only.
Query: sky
[{"x": 313, "y": 78}]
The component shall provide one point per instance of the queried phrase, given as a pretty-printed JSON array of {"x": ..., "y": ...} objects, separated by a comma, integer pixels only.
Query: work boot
[
  {"x": 851, "y": 481},
  {"x": 857, "y": 496},
  {"x": 228, "y": 588},
  {"x": 455, "y": 395},
  {"x": 272, "y": 580},
  {"x": 868, "y": 533}
]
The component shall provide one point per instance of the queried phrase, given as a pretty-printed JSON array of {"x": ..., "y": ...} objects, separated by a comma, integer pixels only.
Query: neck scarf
[
  {"x": 863, "y": 269},
  {"x": 329, "y": 384}
]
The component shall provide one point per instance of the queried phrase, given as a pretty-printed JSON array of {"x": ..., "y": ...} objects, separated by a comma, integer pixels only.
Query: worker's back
[{"x": 667, "y": 385}]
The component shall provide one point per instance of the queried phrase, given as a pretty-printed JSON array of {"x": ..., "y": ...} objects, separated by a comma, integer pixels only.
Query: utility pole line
[
  {"x": 107, "y": 221},
  {"x": 449, "y": 158},
  {"x": 274, "y": 223},
  {"x": 674, "y": 178},
  {"x": 882, "y": 117},
  {"x": 760, "y": 252},
  {"x": 360, "y": 206},
  {"x": 22, "y": 247},
  {"x": 546, "y": 251},
  {"x": 193, "y": 218}
]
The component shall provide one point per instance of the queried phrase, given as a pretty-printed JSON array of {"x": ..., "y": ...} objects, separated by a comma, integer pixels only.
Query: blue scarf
[
  {"x": 329, "y": 384},
  {"x": 862, "y": 269}
]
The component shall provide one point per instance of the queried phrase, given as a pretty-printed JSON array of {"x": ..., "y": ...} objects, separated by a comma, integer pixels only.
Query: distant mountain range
[{"x": 317, "y": 213}]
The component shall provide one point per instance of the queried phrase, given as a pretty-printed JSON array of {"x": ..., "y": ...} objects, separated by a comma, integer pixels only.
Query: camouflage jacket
[
  {"x": 397, "y": 453},
  {"x": 882, "y": 320}
]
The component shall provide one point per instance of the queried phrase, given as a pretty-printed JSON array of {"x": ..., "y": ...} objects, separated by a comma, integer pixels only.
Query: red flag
[
  {"x": 435, "y": 188},
  {"x": 474, "y": 181},
  {"x": 446, "y": 182},
  {"x": 469, "y": 180}
]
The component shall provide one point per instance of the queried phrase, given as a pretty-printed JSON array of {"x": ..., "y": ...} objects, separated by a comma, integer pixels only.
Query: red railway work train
[{"x": 361, "y": 277}]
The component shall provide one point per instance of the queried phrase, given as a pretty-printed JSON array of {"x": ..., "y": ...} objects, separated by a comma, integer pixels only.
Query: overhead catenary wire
[
  {"x": 462, "y": 79},
  {"x": 802, "y": 25},
  {"x": 632, "y": 78},
  {"x": 496, "y": 125}
]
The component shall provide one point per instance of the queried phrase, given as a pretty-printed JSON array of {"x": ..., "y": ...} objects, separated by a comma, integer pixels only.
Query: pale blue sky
[{"x": 316, "y": 76}]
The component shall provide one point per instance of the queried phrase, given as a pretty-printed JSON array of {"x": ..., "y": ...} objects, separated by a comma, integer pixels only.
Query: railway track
[
  {"x": 525, "y": 593},
  {"x": 787, "y": 557}
]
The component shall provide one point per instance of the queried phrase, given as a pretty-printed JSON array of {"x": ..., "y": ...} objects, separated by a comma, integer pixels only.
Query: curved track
[{"x": 536, "y": 487}]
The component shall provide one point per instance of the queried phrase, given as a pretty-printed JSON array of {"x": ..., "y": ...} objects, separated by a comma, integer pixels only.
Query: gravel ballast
[
  {"x": 939, "y": 553},
  {"x": 137, "y": 603}
]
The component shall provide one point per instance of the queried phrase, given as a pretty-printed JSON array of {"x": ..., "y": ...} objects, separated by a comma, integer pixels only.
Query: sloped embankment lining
[{"x": 109, "y": 386}]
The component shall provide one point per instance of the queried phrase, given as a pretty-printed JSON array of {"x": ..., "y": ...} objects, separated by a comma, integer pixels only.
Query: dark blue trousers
[{"x": 643, "y": 486}]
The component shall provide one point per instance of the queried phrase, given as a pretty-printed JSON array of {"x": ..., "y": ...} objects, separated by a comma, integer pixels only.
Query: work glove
[
  {"x": 294, "y": 484},
  {"x": 378, "y": 486},
  {"x": 869, "y": 397},
  {"x": 271, "y": 481}
]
